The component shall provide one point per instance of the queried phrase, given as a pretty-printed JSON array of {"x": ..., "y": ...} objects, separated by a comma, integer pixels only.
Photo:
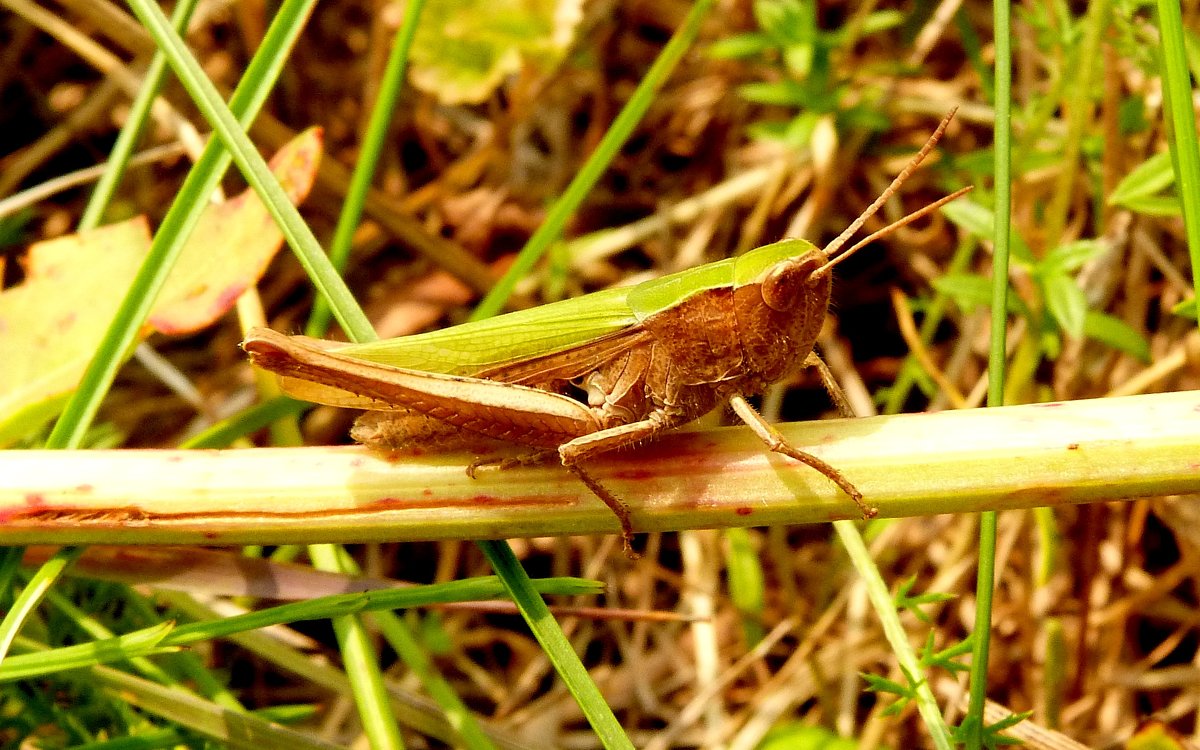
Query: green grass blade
[
  {"x": 342, "y": 605},
  {"x": 10, "y": 566},
  {"x": 135, "y": 124},
  {"x": 590, "y": 172},
  {"x": 419, "y": 718},
  {"x": 221, "y": 434},
  {"x": 408, "y": 647},
  {"x": 232, "y": 729},
  {"x": 368, "y": 159},
  {"x": 558, "y": 649},
  {"x": 254, "y": 169},
  {"x": 361, "y": 663},
  {"x": 32, "y": 594},
  {"x": 1177, "y": 95},
  {"x": 44, "y": 664},
  {"x": 105, "y": 643},
  {"x": 173, "y": 232},
  {"x": 405, "y": 643},
  {"x": 893, "y": 629}
]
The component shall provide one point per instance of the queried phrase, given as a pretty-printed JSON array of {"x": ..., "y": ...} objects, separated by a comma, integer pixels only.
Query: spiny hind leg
[
  {"x": 584, "y": 447},
  {"x": 777, "y": 443},
  {"x": 615, "y": 504},
  {"x": 618, "y": 508}
]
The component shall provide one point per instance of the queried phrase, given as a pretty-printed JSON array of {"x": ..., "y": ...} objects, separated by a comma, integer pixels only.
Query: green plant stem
[
  {"x": 405, "y": 642},
  {"x": 908, "y": 465},
  {"x": 1051, "y": 632},
  {"x": 368, "y": 159},
  {"x": 597, "y": 162},
  {"x": 986, "y": 573},
  {"x": 1080, "y": 114}
]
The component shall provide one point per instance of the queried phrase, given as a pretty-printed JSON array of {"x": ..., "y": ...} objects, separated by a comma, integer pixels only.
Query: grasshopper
[{"x": 608, "y": 370}]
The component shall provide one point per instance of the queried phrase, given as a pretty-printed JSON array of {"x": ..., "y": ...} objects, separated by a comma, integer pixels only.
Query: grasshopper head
[
  {"x": 795, "y": 281},
  {"x": 780, "y": 309}
]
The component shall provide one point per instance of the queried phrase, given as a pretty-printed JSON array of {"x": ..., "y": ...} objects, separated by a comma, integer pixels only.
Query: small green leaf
[
  {"x": 768, "y": 130},
  {"x": 1009, "y": 721},
  {"x": 1146, "y": 179},
  {"x": 878, "y": 684},
  {"x": 795, "y": 735},
  {"x": 740, "y": 46},
  {"x": 980, "y": 221},
  {"x": 971, "y": 216},
  {"x": 1150, "y": 205},
  {"x": 967, "y": 290},
  {"x": 991, "y": 736},
  {"x": 14, "y": 226},
  {"x": 970, "y": 290},
  {"x": 945, "y": 658},
  {"x": 788, "y": 22},
  {"x": 1050, "y": 340},
  {"x": 1065, "y": 301},
  {"x": 782, "y": 93},
  {"x": 795, "y": 133},
  {"x": 747, "y": 587},
  {"x": 463, "y": 50},
  {"x": 874, "y": 23},
  {"x": 1071, "y": 256},
  {"x": 883, "y": 685},
  {"x": 800, "y": 60},
  {"x": 1155, "y": 736},
  {"x": 1118, "y": 334},
  {"x": 904, "y": 599},
  {"x": 1131, "y": 115}
]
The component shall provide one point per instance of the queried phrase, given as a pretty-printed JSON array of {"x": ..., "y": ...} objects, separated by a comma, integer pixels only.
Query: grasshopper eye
[{"x": 786, "y": 284}]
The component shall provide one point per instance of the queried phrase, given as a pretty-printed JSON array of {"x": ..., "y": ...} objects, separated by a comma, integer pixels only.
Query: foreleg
[
  {"x": 836, "y": 394},
  {"x": 777, "y": 443}
]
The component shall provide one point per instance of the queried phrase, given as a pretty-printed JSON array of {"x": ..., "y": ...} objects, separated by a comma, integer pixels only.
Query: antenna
[
  {"x": 890, "y": 228},
  {"x": 832, "y": 247}
]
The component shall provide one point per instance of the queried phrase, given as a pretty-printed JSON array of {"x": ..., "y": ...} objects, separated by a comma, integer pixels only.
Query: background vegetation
[{"x": 583, "y": 145}]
